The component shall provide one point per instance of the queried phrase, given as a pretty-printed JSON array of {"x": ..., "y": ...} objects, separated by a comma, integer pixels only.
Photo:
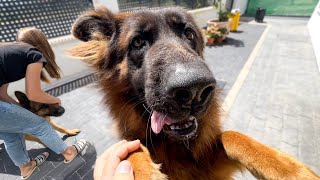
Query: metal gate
[
  {"x": 283, "y": 7},
  {"x": 53, "y": 17},
  {"x": 126, "y": 5}
]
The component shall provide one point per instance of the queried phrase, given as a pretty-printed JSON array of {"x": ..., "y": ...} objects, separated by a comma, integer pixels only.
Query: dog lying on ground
[
  {"x": 151, "y": 69},
  {"x": 44, "y": 110}
]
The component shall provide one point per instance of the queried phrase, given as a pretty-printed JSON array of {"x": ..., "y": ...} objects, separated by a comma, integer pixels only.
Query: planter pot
[
  {"x": 210, "y": 41},
  {"x": 219, "y": 40},
  {"x": 224, "y": 24},
  {"x": 260, "y": 13}
]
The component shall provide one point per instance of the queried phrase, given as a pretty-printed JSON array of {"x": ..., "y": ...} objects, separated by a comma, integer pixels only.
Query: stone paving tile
[
  {"x": 74, "y": 176},
  {"x": 227, "y": 60}
]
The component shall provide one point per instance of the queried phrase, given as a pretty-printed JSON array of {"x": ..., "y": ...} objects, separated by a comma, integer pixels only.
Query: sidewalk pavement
[{"x": 277, "y": 104}]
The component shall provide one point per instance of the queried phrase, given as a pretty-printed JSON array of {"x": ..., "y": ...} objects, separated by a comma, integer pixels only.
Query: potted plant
[
  {"x": 222, "y": 34},
  {"x": 210, "y": 40},
  {"x": 219, "y": 38},
  {"x": 223, "y": 17},
  {"x": 211, "y": 34}
]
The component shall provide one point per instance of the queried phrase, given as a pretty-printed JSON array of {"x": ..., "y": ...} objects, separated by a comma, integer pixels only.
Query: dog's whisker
[
  {"x": 186, "y": 144},
  {"x": 128, "y": 112},
  {"x": 146, "y": 108},
  {"x": 147, "y": 129},
  {"x": 120, "y": 112},
  {"x": 127, "y": 103},
  {"x": 150, "y": 135}
]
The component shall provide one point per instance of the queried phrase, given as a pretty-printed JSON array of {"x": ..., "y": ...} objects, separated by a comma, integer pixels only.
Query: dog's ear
[
  {"x": 97, "y": 23},
  {"x": 23, "y": 99}
]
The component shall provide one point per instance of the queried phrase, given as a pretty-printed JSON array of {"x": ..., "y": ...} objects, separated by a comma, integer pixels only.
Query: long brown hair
[{"x": 36, "y": 38}]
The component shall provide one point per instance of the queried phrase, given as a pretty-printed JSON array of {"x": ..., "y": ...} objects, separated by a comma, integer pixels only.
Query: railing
[
  {"x": 127, "y": 5},
  {"x": 53, "y": 17}
]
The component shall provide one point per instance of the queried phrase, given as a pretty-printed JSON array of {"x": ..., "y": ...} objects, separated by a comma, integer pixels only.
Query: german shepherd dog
[
  {"x": 151, "y": 69},
  {"x": 44, "y": 110}
]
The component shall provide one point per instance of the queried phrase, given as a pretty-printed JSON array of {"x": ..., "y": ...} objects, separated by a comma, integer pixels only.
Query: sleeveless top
[{"x": 14, "y": 59}]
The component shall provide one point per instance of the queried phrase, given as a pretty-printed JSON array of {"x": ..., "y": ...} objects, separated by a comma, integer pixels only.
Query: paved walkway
[
  {"x": 85, "y": 111},
  {"x": 277, "y": 103}
]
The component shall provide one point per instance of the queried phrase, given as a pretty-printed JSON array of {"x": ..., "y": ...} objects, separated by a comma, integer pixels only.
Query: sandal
[
  {"x": 80, "y": 145},
  {"x": 39, "y": 160}
]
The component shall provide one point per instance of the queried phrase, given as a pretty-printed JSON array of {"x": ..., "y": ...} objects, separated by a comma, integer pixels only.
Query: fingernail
[
  {"x": 124, "y": 167},
  {"x": 135, "y": 141}
]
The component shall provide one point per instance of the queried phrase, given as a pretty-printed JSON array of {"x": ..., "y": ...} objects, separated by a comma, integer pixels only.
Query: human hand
[
  {"x": 110, "y": 166},
  {"x": 58, "y": 101}
]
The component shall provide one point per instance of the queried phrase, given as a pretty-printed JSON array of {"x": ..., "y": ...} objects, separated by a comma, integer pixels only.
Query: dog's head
[
  {"x": 153, "y": 59},
  {"x": 41, "y": 109}
]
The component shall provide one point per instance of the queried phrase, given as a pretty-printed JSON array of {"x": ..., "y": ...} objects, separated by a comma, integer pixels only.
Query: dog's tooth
[
  {"x": 191, "y": 118},
  {"x": 172, "y": 127},
  {"x": 186, "y": 125}
]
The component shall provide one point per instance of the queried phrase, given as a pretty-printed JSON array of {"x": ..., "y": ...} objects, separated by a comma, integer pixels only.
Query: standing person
[{"x": 27, "y": 58}]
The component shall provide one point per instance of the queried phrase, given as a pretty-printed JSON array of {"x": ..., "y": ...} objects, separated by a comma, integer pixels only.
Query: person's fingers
[
  {"x": 127, "y": 148},
  {"x": 58, "y": 101},
  {"x": 121, "y": 152},
  {"x": 124, "y": 171},
  {"x": 103, "y": 159},
  {"x": 113, "y": 148}
]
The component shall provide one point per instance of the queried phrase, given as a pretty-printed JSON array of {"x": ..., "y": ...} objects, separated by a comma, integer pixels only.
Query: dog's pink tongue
[{"x": 158, "y": 120}]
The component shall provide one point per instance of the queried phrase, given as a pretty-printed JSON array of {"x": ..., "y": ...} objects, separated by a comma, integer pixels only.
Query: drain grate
[{"x": 71, "y": 83}]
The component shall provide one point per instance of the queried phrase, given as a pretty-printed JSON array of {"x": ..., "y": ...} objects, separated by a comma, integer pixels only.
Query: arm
[
  {"x": 262, "y": 161},
  {"x": 33, "y": 85},
  {"x": 4, "y": 95}
]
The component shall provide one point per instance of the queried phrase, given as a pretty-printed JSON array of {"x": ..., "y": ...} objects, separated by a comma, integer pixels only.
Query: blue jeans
[{"x": 16, "y": 121}]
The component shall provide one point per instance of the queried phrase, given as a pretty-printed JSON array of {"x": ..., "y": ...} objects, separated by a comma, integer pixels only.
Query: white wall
[
  {"x": 110, "y": 4},
  {"x": 240, "y": 4},
  {"x": 314, "y": 30}
]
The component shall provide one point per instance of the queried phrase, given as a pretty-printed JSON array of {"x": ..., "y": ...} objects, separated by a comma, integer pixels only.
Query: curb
[
  {"x": 233, "y": 93},
  {"x": 70, "y": 83},
  {"x": 61, "y": 39}
]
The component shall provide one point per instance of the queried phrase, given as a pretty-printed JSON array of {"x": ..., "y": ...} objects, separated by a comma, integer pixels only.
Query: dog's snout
[
  {"x": 58, "y": 111},
  {"x": 190, "y": 83},
  {"x": 61, "y": 110}
]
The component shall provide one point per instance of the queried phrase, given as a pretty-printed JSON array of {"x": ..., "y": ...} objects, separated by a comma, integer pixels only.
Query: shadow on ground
[{"x": 229, "y": 42}]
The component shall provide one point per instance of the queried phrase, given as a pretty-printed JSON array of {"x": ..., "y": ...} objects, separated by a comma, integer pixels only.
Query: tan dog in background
[{"x": 44, "y": 110}]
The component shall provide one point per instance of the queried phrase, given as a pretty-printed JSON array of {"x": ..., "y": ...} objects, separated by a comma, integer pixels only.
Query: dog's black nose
[
  {"x": 59, "y": 111},
  {"x": 189, "y": 83}
]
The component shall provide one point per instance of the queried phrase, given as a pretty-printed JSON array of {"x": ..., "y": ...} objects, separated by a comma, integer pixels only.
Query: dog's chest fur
[{"x": 178, "y": 162}]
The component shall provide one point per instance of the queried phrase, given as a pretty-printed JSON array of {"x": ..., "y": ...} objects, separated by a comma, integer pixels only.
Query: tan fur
[
  {"x": 143, "y": 166},
  {"x": 69, "y": 132},
  {"x": 262, "y": 161},
  {"x": 214, "y": 154}
]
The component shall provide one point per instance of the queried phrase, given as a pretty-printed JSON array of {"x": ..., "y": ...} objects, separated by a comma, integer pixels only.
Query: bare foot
[
  {"x": 27, "y": 168},
  {"x": 70, "y": 153}
]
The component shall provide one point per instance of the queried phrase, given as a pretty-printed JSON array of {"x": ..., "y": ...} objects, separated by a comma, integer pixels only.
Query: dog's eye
[
  {"x": 189, "y": 34},
  {"x": 138, "y": 42},
  {"x": 44, "y": 106}
]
